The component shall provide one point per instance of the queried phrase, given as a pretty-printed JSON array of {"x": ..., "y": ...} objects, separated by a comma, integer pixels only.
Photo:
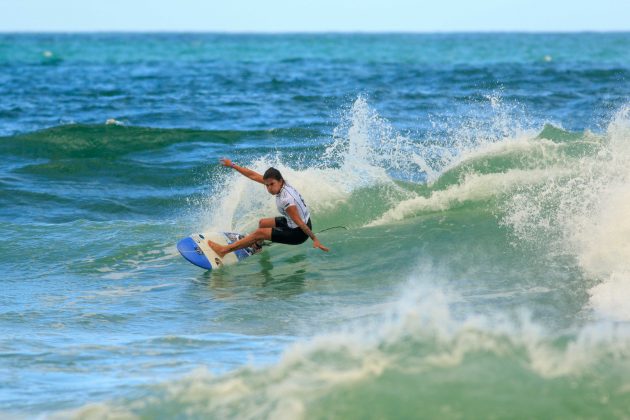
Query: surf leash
[{"x": 331, "y": 228}]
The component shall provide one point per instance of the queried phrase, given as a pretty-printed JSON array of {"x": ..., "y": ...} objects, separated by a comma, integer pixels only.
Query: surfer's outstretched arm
[
  {"x": 295, "y": 216},
  {"x": 253, "y": 175}
]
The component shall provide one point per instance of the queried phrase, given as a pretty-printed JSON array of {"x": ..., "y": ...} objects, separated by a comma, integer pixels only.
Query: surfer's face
[{"x": 273, "y": 185}]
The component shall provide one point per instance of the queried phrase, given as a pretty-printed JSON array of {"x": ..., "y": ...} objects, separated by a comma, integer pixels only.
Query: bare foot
[{"x": 220, "y": 250}]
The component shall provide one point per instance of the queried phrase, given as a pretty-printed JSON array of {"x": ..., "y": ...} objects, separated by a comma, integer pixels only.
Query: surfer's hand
[
  {"x": 317, "y": 244},
  {"x": 226, "y": 162}
]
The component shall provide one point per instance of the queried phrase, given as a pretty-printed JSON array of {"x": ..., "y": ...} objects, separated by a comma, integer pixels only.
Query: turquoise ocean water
[{"x": 483, "y": 180}]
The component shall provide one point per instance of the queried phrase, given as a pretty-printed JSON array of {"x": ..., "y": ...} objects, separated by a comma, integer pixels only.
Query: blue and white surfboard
[{"x": 196, "y": 250}]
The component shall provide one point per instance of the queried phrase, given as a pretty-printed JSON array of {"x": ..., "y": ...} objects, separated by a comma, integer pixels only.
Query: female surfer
[{"x": 292, "y": 228}]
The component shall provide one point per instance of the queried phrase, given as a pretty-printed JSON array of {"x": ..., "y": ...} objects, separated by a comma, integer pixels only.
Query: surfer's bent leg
[
  {"x": 269, "y": 222},
  {"x": 283, "y": 234},
  {"x": 259, "y": 234}
]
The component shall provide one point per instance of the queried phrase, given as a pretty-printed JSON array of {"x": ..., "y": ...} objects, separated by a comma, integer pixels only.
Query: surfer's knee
[
  {"x": 267, "y": 223},
  {"x": 262, "y": 233}
]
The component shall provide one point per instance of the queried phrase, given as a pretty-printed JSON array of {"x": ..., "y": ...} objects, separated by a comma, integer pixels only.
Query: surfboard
[{"x": 196, "y": 250}]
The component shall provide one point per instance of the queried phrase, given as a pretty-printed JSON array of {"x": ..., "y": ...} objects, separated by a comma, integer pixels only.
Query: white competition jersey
[{"x": 288, "y": 196}]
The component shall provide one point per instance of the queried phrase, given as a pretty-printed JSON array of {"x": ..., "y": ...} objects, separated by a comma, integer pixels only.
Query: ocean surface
[{"x": 483, "y": 181}]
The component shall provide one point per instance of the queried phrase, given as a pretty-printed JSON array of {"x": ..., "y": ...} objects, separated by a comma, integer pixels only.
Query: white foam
[
  {"x": 112, "y": 121},
  {"x": 242, "y": 202},
  {"x": 583, "y": 212},
  {"x": 602, "y": 235},
  {"x": 365, "y": 151},
  {"x": 418, "y": 335},
  {"x": 365, "y": 147},
  {"x": 143, "y": 260},
  {"x": 473, "y": 187}
]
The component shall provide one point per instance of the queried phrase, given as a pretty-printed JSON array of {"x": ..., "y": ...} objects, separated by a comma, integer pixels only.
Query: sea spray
[
  {"x": 364, "y": 152},
  {"x": 367, "y": 152},
  {"x": 582, "y": 212}
]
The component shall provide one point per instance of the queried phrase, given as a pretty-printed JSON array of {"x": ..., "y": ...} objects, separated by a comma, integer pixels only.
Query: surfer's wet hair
[{"x": 273, "y": 173}]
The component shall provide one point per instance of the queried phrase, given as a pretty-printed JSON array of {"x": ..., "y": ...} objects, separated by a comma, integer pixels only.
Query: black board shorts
[{"x": 283, "y": 234}]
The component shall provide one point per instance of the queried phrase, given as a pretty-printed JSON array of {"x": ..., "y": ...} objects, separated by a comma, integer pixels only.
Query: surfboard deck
[{"x": 196, "y": 250}]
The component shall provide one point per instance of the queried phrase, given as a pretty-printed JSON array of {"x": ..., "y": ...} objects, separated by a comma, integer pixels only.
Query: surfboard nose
[{"x": 191, "y": 251}]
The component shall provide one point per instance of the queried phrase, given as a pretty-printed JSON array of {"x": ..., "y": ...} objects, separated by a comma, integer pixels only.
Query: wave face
[{"x": 481, "y": 181}]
